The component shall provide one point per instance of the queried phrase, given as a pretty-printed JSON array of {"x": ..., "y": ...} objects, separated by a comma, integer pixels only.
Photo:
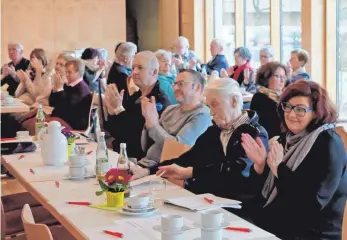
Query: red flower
[{"x": 117, "y": 176}]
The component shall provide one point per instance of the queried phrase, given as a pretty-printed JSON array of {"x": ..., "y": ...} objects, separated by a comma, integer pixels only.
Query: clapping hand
[
  {"x": 275, "y": 156},
  {"x": 149, "y": 111},
  {"x": 246, "y": 74},
  {"x": 255, "y": 150},
  {"x": 230, "y": 71},
  {"x": 177, "y": 61},
  {"x": 12, "y": 71},
  {"x": 58, "y": 82},
  {"x": 113, "y": 98},
  {"x": 23, "y": 76},
  {"x": 36, "y": 64}
]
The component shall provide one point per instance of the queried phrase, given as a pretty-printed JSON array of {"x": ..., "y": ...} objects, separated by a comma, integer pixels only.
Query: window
[
  {"x": 224, "y": 26},
  {"x": 257, "y": 27},
  {"x": 341, "y": 65},
  {"x": 290, "y": 27}
]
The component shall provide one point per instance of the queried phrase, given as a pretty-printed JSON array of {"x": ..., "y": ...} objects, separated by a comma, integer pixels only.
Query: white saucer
[
  {"x": 223, "y": 225},
  {"x": 138, "y": 213},
  {"x": 182, "y": 230},
  {"x": 88, "y": 175},
  {"x": 199, "y": 238},
  {"x": 129, "y": 209}
]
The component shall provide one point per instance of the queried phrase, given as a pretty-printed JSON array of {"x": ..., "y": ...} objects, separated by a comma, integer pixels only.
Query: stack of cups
[
  {"x": 211, "y": 225},
  {"x": 77, "y": 166},
  {"x": 171, "y": 227}
]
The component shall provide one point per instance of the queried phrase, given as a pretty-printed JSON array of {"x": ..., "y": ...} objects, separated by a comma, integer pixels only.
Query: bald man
[{"x": 126, "y": 122}]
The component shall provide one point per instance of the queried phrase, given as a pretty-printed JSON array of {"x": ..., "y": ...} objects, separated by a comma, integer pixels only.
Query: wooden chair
[
  {"x": 173, "y": 149},
  {"x": 34, "y": 231},
  {"x": 343, "y": 134}
]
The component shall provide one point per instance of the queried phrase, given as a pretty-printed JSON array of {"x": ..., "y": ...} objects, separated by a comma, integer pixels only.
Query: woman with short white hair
[
  {"x": 121, "y": 68},
  {"x": 217, "y": 163},
  {"x": 182, "y": 56},
  {"x": 165, "y": 76}
]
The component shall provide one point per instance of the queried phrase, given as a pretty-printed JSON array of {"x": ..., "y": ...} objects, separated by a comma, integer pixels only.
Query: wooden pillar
[
  {"x": 168, "y": 22},
  {"x": 313, "y": 38},
  {"x": 275, "y": 28},
  {"x": 192, "y": 25},
  {"x": 209, "y": 26},
  {"x": 239, "y": 23},
  {"x": 330, "y": 48}
]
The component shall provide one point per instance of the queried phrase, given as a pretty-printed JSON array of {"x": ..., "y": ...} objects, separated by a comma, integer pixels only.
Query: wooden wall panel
[
  {"x": 168, "y": 22},
  {"x": 62, "y": 25}
]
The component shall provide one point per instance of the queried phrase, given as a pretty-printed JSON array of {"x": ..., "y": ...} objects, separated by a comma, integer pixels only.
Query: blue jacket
[{"x": 217, "y": 63}]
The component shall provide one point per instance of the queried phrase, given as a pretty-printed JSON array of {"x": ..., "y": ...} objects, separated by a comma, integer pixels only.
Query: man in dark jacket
[
  {"x": 8, "y": 70},
  {"x": 217, "y": 163},
  {"x": 126, "y": 122},
  {"x": 121, "y": 67}
]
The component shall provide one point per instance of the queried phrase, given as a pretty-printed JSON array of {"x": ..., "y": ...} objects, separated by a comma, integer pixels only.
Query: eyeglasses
[
  {"x": 299, "y": 111},
  {"x": 180, "y": 84},
  {"x": 264, "y": 56},
  {"x": 279, "y": 77}
]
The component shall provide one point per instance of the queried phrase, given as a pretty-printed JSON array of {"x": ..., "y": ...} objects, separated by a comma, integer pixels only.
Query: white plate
[
  {"x": 223, "y": 225},
  {"x": 138, "y": 213},
  {"x": 129, "y": 209},
  {"x": 182, "y": 230}
]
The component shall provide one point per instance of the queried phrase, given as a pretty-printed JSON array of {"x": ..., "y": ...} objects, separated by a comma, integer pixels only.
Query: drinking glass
[{"x": 157, "y": 189}]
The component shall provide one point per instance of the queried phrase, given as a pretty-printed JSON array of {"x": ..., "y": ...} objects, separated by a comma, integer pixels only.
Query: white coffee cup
[
  {"x": 171, "y": 222},
  {"x": 211, "y": 219},
  {"x": 77, "y": 160},
  {"x": 77, "y": 171},
  {"x": 215, "y": 235},
  {"x": 138, "y": 201}
]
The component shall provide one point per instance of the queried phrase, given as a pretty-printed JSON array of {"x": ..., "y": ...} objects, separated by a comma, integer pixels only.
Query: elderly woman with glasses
[
  {"x": 217, "y": 163},
  {"x": 271, "y": 79},
  {"x": 305, "y": 191},
  {"x": 266, "y": 55},
  {"x": 242, "y": 71}
]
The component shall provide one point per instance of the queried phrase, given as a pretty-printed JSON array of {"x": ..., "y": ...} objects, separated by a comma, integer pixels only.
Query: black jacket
[
  {"x": 266, "y": 109},
  {"x": 118, "y": 75},
  {"x": 13, "y": 83},
  {"x": 231, "y": 176},
  {"x": 311, "y": 200},
  {"x": 126, "y": 127},
  {"x": 217, "y": 63}
]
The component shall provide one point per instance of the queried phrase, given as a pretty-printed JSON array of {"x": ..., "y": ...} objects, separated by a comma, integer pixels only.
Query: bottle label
[{"x": 38, "y": 127}]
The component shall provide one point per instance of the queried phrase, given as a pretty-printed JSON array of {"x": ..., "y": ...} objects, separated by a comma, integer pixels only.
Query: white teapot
[{"x": 53, "y": 144}]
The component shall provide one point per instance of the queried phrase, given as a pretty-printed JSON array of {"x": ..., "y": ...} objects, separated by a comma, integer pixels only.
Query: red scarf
[{"x": 241, "y": 69}]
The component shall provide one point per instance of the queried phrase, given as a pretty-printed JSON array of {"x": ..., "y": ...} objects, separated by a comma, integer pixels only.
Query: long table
[
  {"x": 17, "y": 107},
  {"x": 88, "y": 223}
]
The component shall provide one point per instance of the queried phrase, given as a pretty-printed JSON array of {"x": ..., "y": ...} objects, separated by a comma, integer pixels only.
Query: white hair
[
  {"x": 218, "y": 42},
  {"x": 150, "y": 58},
  {"x": 162, "y": 54},
  {"x": 17, "y": 44},
  {"x": 225, "y": 87},
  {"x": 183, "y": 41},
  {"x": 126, "y": 49},
  {"x": 103, "y": 53}
]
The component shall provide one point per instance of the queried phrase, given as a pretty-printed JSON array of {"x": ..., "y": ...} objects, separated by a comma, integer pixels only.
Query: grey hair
[
  {"x": 183, "y": 41},
  {"x": 151, "y": 59},
  {"x": 225, "y": 87},
  {"x": 219, "y": 42},
  {"x": 244, "y": 53},
  {"x": 78, "y": 64},
  {"x": 126, "y": 49},
  {"x": 162, "y": 54},
  {"x": 17, "y": 44},
  {"x": 65, "y": 56},
  {"x": 268, "y": 50},
  {"x": 103, "y": 53}
]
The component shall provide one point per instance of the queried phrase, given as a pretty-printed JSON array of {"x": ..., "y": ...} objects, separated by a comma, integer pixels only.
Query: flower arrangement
[
  {"x": 70, "y": 137},
  {"x": 115, "y": 181}
]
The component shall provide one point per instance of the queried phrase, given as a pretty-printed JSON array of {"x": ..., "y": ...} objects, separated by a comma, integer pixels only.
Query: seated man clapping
[{"x": 183, "y": 122}]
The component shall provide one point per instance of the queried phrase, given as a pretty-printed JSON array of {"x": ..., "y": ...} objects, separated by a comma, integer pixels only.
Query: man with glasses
[{"x": 183, "y": 122}]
